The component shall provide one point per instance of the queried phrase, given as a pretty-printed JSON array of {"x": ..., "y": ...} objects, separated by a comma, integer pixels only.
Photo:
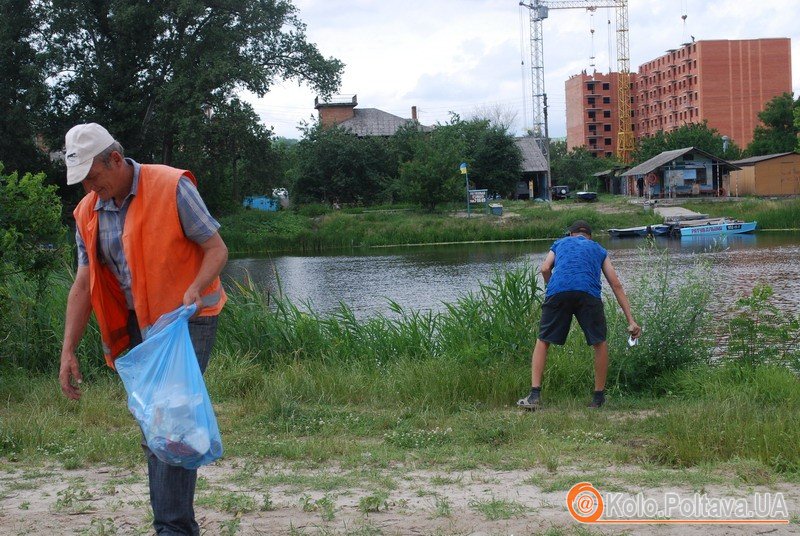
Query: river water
[{"x": 424, "y": 278}]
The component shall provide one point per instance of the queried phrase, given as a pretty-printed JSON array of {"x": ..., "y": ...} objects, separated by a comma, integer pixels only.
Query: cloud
[{"x": 460, "y": 54}]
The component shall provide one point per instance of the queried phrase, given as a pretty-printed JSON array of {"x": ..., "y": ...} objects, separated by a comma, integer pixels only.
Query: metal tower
[{"x": 538, "y": 12}]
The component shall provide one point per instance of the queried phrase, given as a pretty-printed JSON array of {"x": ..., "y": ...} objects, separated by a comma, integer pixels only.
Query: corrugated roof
[
  {"x": 374, "y": 122},
  {"x": 668, "y": 156},
  {"x": 754, "y": 159},
  {"x": 657, "y": 161},
  {"x": 612, "y": 171},
  {"x": 532, "y": 158}
]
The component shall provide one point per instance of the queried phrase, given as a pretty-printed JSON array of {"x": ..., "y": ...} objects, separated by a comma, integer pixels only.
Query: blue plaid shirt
[{"x": 198, "y": 226}]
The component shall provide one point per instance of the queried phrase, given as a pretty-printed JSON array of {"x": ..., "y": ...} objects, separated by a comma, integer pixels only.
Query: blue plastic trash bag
[{"x": 167, "y": 394}]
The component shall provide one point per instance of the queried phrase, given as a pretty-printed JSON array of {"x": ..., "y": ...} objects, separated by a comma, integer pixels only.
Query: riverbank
[
  {"x": 317, "y": 228},
  {"x": 308, "y": 454},
  {"x": 335, "y": 425}
]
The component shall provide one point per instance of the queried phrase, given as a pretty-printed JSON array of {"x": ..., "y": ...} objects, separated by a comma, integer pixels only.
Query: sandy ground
[{"x": 107, "y": 500}]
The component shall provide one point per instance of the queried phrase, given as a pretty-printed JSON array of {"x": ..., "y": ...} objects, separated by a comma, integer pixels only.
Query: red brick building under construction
[
  {"x": 724, "y": 82},
  {"x": 592, "y": 112}
]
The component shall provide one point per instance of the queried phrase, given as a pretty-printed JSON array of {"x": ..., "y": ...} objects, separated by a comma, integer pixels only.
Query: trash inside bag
[{"x": 167, "y": 394}]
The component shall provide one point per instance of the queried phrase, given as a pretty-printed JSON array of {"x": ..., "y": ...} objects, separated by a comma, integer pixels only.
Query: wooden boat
[
  {"x": 725, "y": 227},
  {"x": 586, "y": 196},
  {"x": 655, "y": 230}
]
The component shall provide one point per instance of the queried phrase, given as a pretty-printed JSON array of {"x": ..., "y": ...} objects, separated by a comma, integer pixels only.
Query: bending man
[
  {"x": 146, "y": 245},
  {"x": 571, "y": 273}
]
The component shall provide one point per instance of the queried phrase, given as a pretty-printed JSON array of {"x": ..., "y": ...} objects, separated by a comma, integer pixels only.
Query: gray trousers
[{"x": 172, "y": 487}]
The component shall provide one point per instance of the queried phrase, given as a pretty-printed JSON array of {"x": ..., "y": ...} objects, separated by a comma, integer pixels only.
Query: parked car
[{"x": 559, "y": 192}]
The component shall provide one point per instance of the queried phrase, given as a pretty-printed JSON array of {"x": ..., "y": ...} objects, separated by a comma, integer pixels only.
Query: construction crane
[{"x": 538, "y": 12}]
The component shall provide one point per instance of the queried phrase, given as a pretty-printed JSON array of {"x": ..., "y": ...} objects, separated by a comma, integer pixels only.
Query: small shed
[
  {"x": 772, "y": 174},
  {"x": 612, "y": 181},
  {"x": 533, "y": 182},
  {"x": 681, "y": 172}
]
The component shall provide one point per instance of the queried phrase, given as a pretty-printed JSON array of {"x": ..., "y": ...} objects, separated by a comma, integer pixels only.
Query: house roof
[
  {"x": 374, "y": 122},
  {"x": 532, "y": 158},
  {"x": 668, "y": 156},
  {"x": 755, "y": 159},
  {"x": 608, "y": 172}
]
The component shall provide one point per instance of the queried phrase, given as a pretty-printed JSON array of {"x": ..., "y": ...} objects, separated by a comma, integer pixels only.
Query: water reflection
[{"x": 426, "y": 277}]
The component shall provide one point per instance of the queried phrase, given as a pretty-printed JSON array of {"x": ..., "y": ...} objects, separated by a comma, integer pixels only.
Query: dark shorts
[{"x": 557, "y": 312}]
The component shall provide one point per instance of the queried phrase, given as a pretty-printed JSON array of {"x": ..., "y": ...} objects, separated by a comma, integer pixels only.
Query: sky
[{"x": 472, "y": 57}]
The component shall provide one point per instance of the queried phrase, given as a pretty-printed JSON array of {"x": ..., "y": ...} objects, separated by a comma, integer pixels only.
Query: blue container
[{"x": 261, "y": 202}]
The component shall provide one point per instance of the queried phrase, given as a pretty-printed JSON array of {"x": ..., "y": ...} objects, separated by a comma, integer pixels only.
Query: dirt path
[{"x": 249, "y": 499}]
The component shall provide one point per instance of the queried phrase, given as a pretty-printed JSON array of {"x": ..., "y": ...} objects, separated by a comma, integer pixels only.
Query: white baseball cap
[{"x": 83, "y": 143}]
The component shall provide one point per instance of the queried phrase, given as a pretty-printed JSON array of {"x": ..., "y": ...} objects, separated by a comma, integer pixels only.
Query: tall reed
[
  {"x": 493, "y": 323},
  {"x": 32, "y": 322}
]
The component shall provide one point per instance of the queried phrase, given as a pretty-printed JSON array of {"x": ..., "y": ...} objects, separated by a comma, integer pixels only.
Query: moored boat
[
  {"x": 724, "y": 227},
  {"x": 655, "y": 230}
]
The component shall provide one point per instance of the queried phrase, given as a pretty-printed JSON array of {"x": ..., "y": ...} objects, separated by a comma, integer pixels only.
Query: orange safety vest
[{"x": 163, "y": 262}]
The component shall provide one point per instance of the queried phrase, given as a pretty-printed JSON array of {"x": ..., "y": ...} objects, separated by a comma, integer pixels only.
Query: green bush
[
  {"x": 671, "y": 305},
  {"x": 760, "y": 333},
  {"x": 313, "y": 210},
  {"x": 31, "y": 234},
  {"x": 32, "y": 244}
]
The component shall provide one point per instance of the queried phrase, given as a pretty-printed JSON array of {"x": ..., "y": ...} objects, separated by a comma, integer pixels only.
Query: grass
[
  {"x": 435, "y": 392},
  {"x": 252, "y": 231},
  {"x": 494, "y": 509},
  {"x": 442, "y": 507},
  {"x": 732, "y": 420},
  {"x": 317, "y": 230},
  {"x": 770, "y": 213},
  {"x": 235, "y": 503},
  {"x": 374, "y": 502}
]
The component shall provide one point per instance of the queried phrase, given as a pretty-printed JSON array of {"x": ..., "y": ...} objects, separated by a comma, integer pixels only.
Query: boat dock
[{"x": 676, "y": 214}]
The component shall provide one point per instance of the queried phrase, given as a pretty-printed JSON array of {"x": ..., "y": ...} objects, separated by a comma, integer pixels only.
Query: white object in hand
[{"x": 632, "y": 341}]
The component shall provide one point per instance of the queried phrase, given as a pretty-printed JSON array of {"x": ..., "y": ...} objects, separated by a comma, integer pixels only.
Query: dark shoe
[
  {"x": 530, "y": 402},
  {"x": 598, "y": 399}
]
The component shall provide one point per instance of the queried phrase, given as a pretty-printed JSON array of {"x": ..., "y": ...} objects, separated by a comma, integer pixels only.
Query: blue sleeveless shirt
[{"x": 578, "y": 266}]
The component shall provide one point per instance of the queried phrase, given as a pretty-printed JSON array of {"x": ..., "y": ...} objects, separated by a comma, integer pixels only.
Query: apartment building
[
  {"x": 724, "y": 82},
  {"x": 592, "y": 112}
]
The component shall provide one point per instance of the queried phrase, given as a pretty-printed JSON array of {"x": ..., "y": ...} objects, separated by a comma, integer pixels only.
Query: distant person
[
  {"x": 170, "y": 254},
  {"x": 571, "y": 273}
]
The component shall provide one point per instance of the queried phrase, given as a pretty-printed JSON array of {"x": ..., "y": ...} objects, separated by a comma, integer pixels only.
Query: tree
[
  {"x": 31, "y": 246},
  {"x": 232, "y": 155},
  {"x": 149, "y": 70},
  {"x": 698, "y": 135},
  {"x": 498, "y": 115},
  {"x": 577, "y": 167},
  {"x": 432, "y": 176},
  {"x": 23, "y": 93},
  {"x": 497, "y": 162},
  {"x": 779, "y": 132},
  {"x": 494, "y": 160},
  {"x": 332, "y": 164},
  {"x": 30, "y": 224}
]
